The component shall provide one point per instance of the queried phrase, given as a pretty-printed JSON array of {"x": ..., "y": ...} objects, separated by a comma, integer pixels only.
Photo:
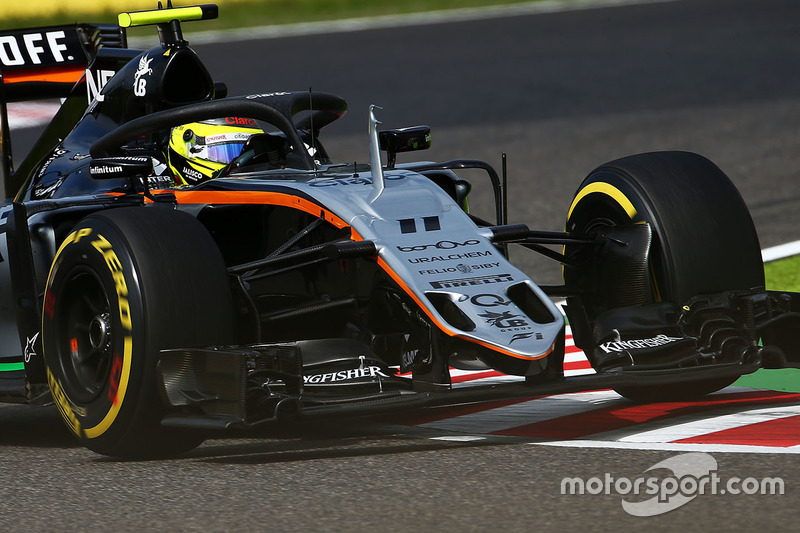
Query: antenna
[
  {"x": 504, "y": 185},
  {"x": 313, "y": 132}
]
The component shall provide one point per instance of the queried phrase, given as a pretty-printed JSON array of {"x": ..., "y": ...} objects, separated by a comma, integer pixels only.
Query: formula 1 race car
[{"x": 175, "y": 261}]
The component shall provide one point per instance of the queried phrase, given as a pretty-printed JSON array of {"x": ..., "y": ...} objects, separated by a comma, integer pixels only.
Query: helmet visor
[{"x": 223, "y": 153}]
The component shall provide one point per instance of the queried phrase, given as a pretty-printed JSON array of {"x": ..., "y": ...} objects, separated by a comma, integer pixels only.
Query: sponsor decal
[
  {"x": 104, "y": 247},
  {"x": 191, "y": 173},
  {"x": 76, "y": 236},
  {"x": 30, "y": 345},
  {"x": 463, "y": 268},
  {"x": 46, "y": 191},
  {"x": 239, "y": 121},
  {"x": 505, "y": 321},
  {"x": 450, "y": 257},
  {"x": 55, "y": 155},
  {"x": 139, "y": 82},
  {"x": 134, "y": 158},
  {"x": 441, "y": 245},
  {"x": 523, "y": 336},
  {"x": 265, "y": 95},
  {"x": 489, "y": 300},
  {"x": 228, "y": 137},
  {"x": 344, "y": 375},
  {"x": 342, "y": 181},
  {"x": 311, "y": 151},
  {"x": 160, "y": 169},
  {"x": 116, "y": 166},
  {"x": 63, "y": 404},
  {"x": 409, "y": 356},
  {"x": 20, "y": 49},
  {"x": 355, "y": 180},
  {"x": 411, "y": 353},
  {"x": 159, "y": 182},
  {"x": 466, "y": 282},
  {"x": 109, "y": 169},
  {"x": 95, "y": 83},
  {"x": 638, "y": 344}
]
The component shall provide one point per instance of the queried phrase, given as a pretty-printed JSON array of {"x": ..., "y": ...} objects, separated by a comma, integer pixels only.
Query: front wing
[{"x": 223, "y": 387}]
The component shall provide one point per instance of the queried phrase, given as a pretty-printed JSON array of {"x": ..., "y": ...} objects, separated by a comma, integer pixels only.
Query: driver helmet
[{"x": 199, "y": 149}]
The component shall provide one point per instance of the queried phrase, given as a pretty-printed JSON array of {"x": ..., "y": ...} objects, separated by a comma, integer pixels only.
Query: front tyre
[
  {"x": 703, "y": 242},
  {"x": 125, "y": 284}
]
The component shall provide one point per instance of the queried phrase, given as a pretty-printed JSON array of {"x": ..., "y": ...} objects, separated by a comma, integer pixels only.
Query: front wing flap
[
  {"x": 213, "y": 388},
  {"x": 719, "y": 328}
]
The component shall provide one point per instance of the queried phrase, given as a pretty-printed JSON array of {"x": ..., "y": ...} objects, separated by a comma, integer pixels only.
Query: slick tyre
[
  {"x": 703, "y": 239},
  {"x": 126, "y": 283}
]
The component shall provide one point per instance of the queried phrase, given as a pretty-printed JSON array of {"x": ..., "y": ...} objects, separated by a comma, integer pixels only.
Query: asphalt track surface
[{"x": 560, "y": 94}]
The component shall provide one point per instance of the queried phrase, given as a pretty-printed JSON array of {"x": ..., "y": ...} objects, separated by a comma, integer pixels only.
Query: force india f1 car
[{"x": 289, "y": 286}]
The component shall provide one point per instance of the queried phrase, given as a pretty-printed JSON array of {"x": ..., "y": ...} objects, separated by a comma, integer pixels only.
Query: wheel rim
[
  {"x": 82, "y": 319},
  {"x": 595, "y": 216}
]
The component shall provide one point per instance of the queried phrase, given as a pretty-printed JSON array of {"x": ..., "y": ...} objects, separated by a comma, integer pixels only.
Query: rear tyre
[
  {"x": 704, "y": 240},
  {"x": 126, "y": 283}
]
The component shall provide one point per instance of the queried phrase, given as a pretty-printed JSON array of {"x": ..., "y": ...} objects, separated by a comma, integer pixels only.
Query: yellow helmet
[{"x": 199, "y": 149}]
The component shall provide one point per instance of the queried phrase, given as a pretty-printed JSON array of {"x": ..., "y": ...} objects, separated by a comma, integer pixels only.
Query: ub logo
[
  {"x": 503, "y": 320},
  {"x": 139, "y": 83}
]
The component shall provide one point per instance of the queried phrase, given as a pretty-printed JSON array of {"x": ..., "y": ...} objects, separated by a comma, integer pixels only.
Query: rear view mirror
[
  {"x": 404, "y": 140},
  {"x": 121, "y": 167},
  {"x": 137, "y": 169}
]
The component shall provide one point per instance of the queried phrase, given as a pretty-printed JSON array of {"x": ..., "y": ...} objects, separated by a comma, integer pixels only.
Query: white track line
[
  {"x": 781, "y": 252},
  {"x": 671, "y": 446},
  {"x": 520, "y": 414},
  {"x": 713, "y": 424}
]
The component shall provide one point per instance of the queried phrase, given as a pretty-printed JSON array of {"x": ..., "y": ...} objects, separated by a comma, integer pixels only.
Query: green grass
[
  {"x": 265, "y": 12},
  {"x": 781, "y": 379},
  {"x": 783, "y": 275}
]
